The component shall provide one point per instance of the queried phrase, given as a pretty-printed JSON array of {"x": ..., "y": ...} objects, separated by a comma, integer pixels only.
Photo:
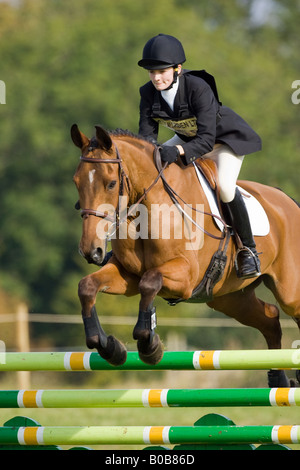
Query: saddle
[{"x": 209, "y": 170}]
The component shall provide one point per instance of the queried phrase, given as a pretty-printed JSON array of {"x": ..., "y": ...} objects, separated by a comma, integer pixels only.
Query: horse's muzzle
[{"x": 95, "y": 256}]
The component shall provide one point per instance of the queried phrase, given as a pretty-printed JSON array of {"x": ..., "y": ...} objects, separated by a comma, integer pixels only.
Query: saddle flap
[
  {"x": 259, "y": 220},
  {"x": 209, "y": 170}
]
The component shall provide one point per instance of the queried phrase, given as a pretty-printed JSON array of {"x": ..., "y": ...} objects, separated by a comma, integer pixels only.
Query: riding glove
[{"x": 169, "y": 154}]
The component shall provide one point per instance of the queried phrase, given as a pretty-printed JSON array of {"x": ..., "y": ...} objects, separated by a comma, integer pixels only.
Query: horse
[{"x": 117, "y": 166}]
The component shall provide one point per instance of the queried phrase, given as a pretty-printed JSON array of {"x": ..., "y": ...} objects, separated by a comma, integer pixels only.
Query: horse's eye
[{"x": 111, "y": 185}]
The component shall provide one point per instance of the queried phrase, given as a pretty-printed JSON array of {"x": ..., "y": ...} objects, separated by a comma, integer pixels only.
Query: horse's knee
[
  {"x": 87, "y": 291},
  {"x": 151, "y": 282},
  {"x": 86, "y": 287}
]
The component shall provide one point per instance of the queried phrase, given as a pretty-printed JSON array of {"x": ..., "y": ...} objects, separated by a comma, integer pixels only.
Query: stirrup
[{"x": 253, "y": 264}]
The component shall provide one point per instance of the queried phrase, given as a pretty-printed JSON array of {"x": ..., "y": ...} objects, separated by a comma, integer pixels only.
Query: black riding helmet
[{"x": 162, "y": 51}]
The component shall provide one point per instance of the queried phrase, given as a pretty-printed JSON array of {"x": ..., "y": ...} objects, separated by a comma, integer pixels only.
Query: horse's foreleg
[
  {"x": 153, "y": 281},
  {"x": 110, "y": 280},
  {"x": 148, "y": 342},
  {"x": 150, "y": 284}
]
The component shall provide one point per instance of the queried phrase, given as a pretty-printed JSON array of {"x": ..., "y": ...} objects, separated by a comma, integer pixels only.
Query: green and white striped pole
[
  {"x": 149, "y": 398},
  {"x": 186, "y": 360},
  {"x": 115, "y": 435}
]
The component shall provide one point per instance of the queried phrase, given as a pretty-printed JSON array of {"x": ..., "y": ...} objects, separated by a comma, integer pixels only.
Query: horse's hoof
[
  {"x": 151, "y": 353},
  {"x": 295, "y": 383},
  {"x": 277, "y": 378},
  {"x": 115, "y": 352}
]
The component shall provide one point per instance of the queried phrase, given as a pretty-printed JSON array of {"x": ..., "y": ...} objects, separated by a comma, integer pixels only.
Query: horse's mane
[
  {"x": 123, "y": 133},
  {"x": 126, "y": 133}
]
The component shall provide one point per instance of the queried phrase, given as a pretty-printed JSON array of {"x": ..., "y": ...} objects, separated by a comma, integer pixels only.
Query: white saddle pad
[{"x": 258, "y": 218}]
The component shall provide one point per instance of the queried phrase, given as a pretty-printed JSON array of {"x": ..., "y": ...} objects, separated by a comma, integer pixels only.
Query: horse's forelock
[{"x": 94, "y": 143}]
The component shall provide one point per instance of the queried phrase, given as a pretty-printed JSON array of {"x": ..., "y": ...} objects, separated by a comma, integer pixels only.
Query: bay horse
[{"x": 119, "y": 165}]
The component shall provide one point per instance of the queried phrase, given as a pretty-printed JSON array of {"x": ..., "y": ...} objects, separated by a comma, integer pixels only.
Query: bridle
[{"x": 123, "y": 177}]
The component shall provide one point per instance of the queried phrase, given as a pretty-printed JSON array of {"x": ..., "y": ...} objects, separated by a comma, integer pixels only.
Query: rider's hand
[{"x": 169, "y": 154}]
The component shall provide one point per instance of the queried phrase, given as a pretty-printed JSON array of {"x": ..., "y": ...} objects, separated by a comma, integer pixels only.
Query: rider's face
[{"x": 162, "y": 79}]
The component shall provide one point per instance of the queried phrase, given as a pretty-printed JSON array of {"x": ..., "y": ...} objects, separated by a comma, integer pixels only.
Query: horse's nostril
[{"x": 96, "y": 255}]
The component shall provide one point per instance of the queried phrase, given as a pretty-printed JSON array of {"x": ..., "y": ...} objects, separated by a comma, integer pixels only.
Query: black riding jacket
[{"x": 199, "y": 119}]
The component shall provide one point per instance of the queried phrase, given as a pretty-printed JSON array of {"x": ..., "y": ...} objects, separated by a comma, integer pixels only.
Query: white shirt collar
[{"x": 169, "y": 95}]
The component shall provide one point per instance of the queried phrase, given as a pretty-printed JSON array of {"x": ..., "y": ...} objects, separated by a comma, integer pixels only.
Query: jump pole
[
  {"x": 113, "y": 435},
  {"x": 187, "y": 360},
  {"x": 138, "y": 398}
]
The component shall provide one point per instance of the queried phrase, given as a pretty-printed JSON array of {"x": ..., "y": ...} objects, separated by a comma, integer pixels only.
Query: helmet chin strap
[{"x": 174, "y": 77}]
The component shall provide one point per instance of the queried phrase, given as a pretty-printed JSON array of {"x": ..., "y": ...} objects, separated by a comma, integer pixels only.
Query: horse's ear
[
  {"x": 103, "y": 138},
  {"x": 79, "y": 139}
]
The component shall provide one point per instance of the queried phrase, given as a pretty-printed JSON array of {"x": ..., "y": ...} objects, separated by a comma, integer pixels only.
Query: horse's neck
[
  {"x": 139, "y": 166},
  {"x": 142, "y": 172}
]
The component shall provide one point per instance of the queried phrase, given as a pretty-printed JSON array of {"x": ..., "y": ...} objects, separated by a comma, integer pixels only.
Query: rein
[
  {"x": 173, "y": 195},
  {"x": 124, "y": 177}
]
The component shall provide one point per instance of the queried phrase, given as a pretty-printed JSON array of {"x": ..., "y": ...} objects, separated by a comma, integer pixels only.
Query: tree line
[{"x": 64, "y": 62}]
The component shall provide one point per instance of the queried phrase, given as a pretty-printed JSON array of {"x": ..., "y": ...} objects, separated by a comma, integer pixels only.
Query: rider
[{"x": 188, "y": 104}]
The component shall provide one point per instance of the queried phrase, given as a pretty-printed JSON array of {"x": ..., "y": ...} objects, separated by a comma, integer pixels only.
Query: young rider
[{"x": 187, "y": 102}]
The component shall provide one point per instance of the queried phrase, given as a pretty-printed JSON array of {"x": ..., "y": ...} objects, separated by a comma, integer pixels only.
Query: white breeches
[{"x": 228, "y": 163}]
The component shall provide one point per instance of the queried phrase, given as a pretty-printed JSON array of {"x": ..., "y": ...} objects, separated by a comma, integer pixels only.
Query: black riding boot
[{"x": 247, "y": 259}]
